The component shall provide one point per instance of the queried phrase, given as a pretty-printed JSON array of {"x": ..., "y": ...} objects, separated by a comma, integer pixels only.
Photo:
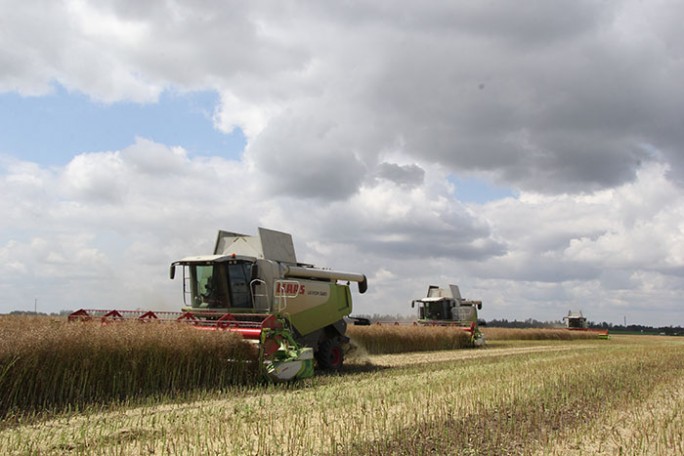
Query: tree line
[{"x": 532, "y": 323}]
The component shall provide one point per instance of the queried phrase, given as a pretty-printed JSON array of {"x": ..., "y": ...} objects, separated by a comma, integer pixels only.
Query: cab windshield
[
  {"x": 221, "y": 285},
  {"x": 435, "y": 310}
]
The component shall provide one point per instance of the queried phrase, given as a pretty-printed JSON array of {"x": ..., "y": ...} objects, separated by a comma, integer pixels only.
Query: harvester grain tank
[
  {"x": 254, "y": 285},
  {"x": 446, "y": 307}
]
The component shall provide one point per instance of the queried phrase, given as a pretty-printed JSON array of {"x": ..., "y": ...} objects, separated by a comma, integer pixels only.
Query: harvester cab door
[
  {"x": 446, "y": 310},
  {"x": 421, "y": 310},
  {"x": 239, "y": 275}
]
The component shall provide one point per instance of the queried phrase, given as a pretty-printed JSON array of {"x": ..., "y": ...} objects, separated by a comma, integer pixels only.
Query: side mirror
[
  {"x": 172, "y": 271},
  {"x": 413, "y": 304},
  {"x": 363, "y": 285},
  {"x": 479, "y": 306}
]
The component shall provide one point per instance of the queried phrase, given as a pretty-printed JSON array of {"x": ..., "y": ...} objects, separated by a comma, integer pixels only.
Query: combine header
[
  {"x": 254, "y": 286},
  {"x": 446, "y": 307}
]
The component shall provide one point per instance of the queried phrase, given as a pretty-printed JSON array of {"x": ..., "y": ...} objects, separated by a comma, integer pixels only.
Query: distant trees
[
  {"x": 529, "y": 323},
  {"x": 62, "y": 313},
  {"x": 532, "y": 323},
  {"x": 665, "y": 330}
]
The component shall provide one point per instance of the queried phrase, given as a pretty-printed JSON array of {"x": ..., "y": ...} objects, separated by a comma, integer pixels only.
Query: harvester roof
[
  {"x": 211, "y": 259},
  {"x": 268, "y": 244},
  {"x": 435, "y": 299}
]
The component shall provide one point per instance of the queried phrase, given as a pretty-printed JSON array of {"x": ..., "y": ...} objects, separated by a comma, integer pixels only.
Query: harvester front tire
[{"x": 330, "y": 355}]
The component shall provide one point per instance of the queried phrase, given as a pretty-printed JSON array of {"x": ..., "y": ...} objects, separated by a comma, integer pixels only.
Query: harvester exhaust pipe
[{"x": 303, "y": 273}]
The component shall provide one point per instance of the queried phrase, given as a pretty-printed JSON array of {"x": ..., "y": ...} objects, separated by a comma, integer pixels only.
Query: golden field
[
  {"x": 49, "y": 364},
  {"x": 512, "y": 397}
]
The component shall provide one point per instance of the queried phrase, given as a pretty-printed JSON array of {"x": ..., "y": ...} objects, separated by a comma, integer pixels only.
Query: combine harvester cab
[
  {"x": 254, "y": 285},
  {"x": 446, "y": 307}
]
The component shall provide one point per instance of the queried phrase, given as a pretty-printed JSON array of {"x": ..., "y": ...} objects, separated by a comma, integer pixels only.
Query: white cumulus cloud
[{"x": 356, "y": 116}]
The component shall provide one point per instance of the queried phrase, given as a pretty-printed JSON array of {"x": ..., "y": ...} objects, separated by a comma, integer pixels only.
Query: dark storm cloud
[
  {"x": 400, "y": 228},
  {"x": 404, "y": 175},
  {"x": 571, "y": 115}
]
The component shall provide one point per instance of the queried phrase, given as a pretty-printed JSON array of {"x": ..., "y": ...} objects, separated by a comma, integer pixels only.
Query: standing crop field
[
  {"x": 621, "y": 396},
  {"x": 48, "y": 364},
  {"x": 384, "y": 339}
]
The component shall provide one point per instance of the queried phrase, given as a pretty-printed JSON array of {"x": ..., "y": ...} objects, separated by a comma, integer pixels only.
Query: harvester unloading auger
[{"x": 253, "y": 285}]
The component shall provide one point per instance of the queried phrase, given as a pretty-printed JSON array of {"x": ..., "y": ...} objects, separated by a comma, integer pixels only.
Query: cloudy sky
[{"x": 531, "y": 152}]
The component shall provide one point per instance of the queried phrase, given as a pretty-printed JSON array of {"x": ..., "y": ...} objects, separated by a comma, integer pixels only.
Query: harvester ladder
[
  {"x": 259, "y": 300},
  {"x": 281, "y": 294}
]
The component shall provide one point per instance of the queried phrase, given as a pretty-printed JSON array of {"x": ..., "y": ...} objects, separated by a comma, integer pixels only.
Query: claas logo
[{"x": 289, "y": 288}]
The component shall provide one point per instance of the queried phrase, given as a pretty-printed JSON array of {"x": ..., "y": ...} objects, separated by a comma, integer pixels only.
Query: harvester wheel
[{"x": 330, "y": 355}]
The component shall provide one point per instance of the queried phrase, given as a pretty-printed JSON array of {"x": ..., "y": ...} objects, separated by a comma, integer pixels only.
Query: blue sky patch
[
  {"x": 52, "y": 129},
  {"x": 471, "y": 189}
]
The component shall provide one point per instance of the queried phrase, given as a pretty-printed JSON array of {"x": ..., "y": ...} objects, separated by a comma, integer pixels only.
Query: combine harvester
[
  {"x": 446, "y": 307},
  {"x": 578, "y": 322},
  {"x": 254, "y": 286}
]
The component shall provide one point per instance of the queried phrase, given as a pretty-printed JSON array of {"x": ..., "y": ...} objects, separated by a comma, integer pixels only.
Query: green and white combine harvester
[
  {"x": 575, "y": 321},
  {"x": 446, "y": 307},
  {"x": 254, "y": 285}
]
